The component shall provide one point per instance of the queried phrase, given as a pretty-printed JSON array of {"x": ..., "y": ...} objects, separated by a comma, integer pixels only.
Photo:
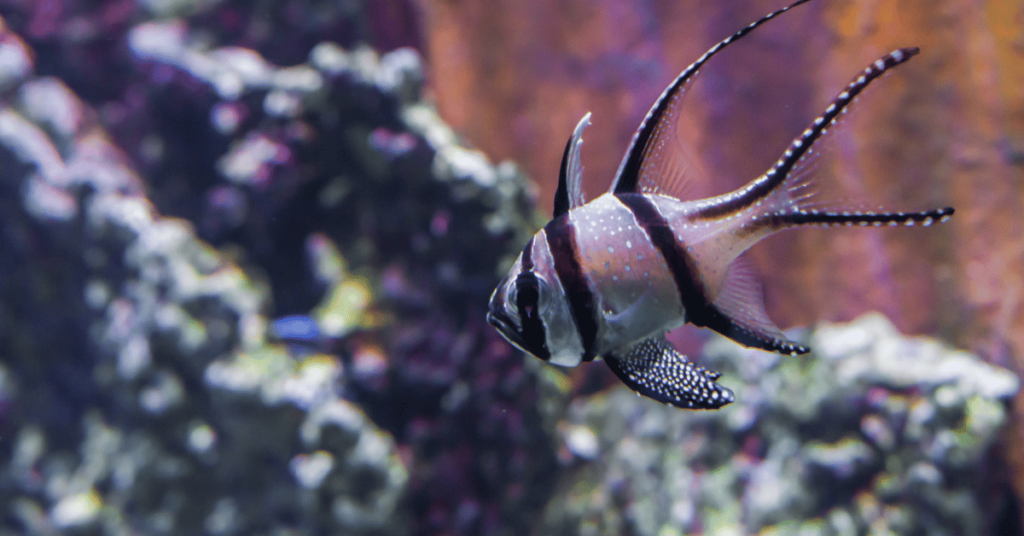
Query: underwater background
[{"x": 246, "y": 249}]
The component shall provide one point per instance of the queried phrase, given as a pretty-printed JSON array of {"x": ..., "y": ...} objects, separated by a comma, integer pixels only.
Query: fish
[
  {"x": 297, "y": 329},
  {"x": 609, "y": 277},
  {"x": 301, "y": 335}
]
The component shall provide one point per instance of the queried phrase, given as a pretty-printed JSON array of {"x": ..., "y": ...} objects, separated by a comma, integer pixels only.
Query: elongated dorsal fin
[
  {"x": 654, "y": 154},
  {"x": 569, "y": 194},
  {"x": 790, "y": 191}
]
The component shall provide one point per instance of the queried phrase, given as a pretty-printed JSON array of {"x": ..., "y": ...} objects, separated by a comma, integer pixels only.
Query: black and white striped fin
[
  {"x": 656, "y": 370},
  {"x": 569, "y": 194},
  {"x": 654, "y": 154},
  {"x": 790, "y": 185},
  {"x": 817, "y": 218}
]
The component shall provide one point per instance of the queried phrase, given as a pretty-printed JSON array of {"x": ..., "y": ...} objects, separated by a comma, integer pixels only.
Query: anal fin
[
  {"x": 738, "y": 313},
  {"x": 656, "y": 370}
]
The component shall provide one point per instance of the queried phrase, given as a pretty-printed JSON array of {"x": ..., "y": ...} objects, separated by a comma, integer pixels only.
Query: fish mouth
[{"x": 507, "y": 330}]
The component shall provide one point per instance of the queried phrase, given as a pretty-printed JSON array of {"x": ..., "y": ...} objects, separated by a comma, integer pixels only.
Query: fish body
[{"x": 608, "y": 278}]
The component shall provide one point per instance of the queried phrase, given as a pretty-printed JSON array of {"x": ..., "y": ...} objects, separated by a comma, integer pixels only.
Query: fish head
[
  {"x": 529, "y": 309},
  {"x": 518, "y": 308}
]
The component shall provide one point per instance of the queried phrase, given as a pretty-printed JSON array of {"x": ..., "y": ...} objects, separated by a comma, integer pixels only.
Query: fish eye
[{"x": 528, "y": 294}]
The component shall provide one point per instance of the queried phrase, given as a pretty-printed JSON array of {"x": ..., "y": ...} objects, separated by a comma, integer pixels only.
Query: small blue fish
[
  {"x": 300, "y": 332},
  {"x": 610, "y": 277}
]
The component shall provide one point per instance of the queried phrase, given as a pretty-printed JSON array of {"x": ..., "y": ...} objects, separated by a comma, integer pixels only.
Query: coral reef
[
  {"x": 143, "y": 390},
  {"x": 871, "y": 433},
  {"x": 139, "y": 392}
]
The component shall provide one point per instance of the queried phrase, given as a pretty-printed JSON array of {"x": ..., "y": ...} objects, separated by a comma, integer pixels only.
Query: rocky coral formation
[
  {"x": 871, "y": 433},
  {"x": 142, "y": 390},
  {"x": 139, "y": 392}
]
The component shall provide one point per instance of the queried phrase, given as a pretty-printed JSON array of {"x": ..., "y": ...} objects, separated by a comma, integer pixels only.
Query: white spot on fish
[
  {"x": 629, "y": 244},
  {"x": 611, "y": 249}
]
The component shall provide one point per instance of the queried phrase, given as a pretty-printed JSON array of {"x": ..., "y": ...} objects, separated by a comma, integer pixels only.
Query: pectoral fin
[
  {"x": 656, "y": 370},
  {"x": 619, "y": 324}
]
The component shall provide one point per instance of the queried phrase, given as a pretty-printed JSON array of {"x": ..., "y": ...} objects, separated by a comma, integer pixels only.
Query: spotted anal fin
[
  {"x": 569, "y": 194},
  {"x": 655, "y": 160},
  {"x": 656, "y": 370},
  {"x": 738, "y": 313}
]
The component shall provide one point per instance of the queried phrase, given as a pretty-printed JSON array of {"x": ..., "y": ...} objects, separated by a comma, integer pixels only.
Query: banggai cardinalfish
[{"x": 610, "y": 277}]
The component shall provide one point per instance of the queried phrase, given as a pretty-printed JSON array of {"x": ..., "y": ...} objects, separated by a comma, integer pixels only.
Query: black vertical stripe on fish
[
  {"x": 700, "y": 311},
  {"x": 526, "y": 261},
  {"x": 527, "y": 297},
  {"x": 664, "y": 240},
  {"x": 561, "y": 235},
  {"x": 777, "y": 175},
  {"x": 628, "y": 177},
  {"x": 527, "y": 303},
  {"x": 562, "y": 193}
]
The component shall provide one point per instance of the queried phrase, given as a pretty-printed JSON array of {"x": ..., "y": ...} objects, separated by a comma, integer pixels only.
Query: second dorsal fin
[
  {"x": 653, "y": 161},
  {"x": 569, "y": 194}
]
